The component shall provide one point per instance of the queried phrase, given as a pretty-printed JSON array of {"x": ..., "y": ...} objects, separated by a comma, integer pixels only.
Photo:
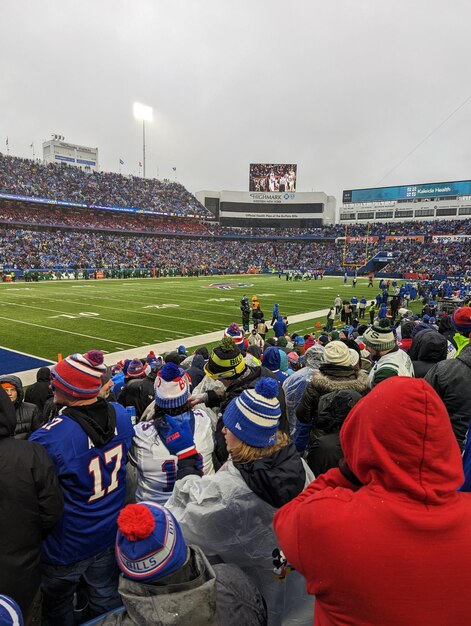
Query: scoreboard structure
[
  {"x": 59, "y": 151},
  {"x": 265, "y": 209},
  {"x": 423, "y": 201}
]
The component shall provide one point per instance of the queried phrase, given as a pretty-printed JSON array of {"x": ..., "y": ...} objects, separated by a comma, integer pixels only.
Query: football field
[{"x": 60, "y": 317}]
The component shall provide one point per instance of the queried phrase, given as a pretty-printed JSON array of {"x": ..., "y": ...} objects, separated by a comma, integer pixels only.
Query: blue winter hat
[
  {"x": 426, "y": 318},
  {"x": 149, "y": 543},
  {"x": 10, "y": 612},
  {"x": 171, "y": 387},
  {"x": 254, "y": 416}
]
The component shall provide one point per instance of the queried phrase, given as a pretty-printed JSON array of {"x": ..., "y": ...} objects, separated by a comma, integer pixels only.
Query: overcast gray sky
[{"x": 344, "y": 88}]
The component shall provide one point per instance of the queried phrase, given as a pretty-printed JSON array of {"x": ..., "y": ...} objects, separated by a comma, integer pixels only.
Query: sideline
[{"x": 28, "y": 377}]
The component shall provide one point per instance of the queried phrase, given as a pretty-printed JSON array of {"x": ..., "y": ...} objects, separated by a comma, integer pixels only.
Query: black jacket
[
  {"x": 40, "y": 391},
  {"x": 196, "y": 371},
  {"x": 326, "y": 379},
  {"x": 30, "y": 504},
  {"x": 276, "y": 479},
  {"x": 28, "y": 416},
  {"x": 451, "y": 379},
  {"x": 325, "y": 450},
  {"x": 138, "y": 393},
  {"x": 427, "y": 348}
]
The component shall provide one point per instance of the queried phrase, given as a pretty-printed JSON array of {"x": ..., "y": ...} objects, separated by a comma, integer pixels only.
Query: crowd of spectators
[
  {"x": 230, "y": 486},
  {"x": 66, "y": 183},
  {"x": 436, "y": 257},
  {"x": 69, "y": 249},
  {"x": 26, "y": 213},
  {"x": 24, "y": 249}
]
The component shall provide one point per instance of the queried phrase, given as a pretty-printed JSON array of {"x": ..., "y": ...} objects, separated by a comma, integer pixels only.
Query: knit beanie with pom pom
[
  {"x": 254, "y": 416},
  {"x": 172, "y": 387},
  {"x": 79, "y": 375},
  {"x": 149, "y": 543}
]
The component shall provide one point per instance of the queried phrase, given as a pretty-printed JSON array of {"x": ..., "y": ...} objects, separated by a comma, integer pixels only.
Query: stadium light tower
[{"x": 144, "y": 113}]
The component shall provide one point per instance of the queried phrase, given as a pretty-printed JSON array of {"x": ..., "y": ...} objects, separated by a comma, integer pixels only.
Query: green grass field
[{"x": 48, "y": 318}]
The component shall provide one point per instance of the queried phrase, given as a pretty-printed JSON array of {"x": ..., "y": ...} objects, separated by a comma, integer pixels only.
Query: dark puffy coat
[
  {"x": 196, "y": 371},
  {"x": 138, "y": 393},
  {"x": 325, "y": 450},
  {"x": 30, "y": 504},
  {"x": 28, "y": 416},
  {"x": 40, "y": 391},
  {"x": 427, "y": 348},
  {"x": 327, "y": 379},
  {"x": 451, "y": 379}
]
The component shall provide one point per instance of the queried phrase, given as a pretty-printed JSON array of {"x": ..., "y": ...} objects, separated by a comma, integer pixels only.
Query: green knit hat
[{"x": 379, "y": 336}]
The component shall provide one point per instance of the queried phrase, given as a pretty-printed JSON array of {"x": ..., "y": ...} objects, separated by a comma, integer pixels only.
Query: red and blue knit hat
[
  {"x": 254, "y": 416},
  {"x": 149, "y": 543},
  {"x": 136, "y": 369},
  {"x": 79, "y": 375},
  {"x": 171, "y": 387},
  {"x": 236, "y": 333}
]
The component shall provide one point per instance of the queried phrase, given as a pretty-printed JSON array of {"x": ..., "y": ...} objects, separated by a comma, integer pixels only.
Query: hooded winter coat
[
  {"x": 40, "y": 391},
  {"x": 451, "y": 379},
  {"x": 30, "y": 502},
  {"x": 230, "y": 514},
  {"x": 427, "y": 348},
  {"x": 196, "y": 371},
  {"x": 28, "y": 416},
  {"x": 394, "y": 551},
  {"x": 218, "y": 595},
  {"x": 272, "y": 361}
]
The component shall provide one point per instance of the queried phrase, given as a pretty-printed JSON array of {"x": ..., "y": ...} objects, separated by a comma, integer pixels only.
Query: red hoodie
[{"x": 396, "y": 551}]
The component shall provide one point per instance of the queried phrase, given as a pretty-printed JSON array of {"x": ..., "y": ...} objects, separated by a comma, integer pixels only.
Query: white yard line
[{"x": 97, "y": 319}]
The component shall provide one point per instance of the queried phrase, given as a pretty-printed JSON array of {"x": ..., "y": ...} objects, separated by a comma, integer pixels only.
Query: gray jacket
[{"x": 219, "y": 595}]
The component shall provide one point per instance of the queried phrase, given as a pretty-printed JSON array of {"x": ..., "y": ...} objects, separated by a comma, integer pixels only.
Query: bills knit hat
[
  {"x": 149, "y": 542},
  {"x": 172, "y": 387},
  {"x": 379, "y": 336},
  {"x": 461, "y": 320},
  {"x": 234, "y": 332},
  {"x": 337, "y": 353},
  {"x": 79, "y": 375},
  {"x": 10, "y": 612},
  {"x": 254, "y": 416},
  {"x": 136, "y": 369},
  {"x": 225, "y": 361}
]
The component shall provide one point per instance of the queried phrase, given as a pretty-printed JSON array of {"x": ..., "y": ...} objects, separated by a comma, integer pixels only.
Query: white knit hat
[{"x": 337, "y": 353}]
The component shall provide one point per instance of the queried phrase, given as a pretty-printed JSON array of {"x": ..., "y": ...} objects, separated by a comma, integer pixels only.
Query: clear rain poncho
[{"x": 221, "y": 515}]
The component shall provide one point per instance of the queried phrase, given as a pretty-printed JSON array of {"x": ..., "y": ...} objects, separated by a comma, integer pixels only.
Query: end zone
[{"x": 21, "y": 364}]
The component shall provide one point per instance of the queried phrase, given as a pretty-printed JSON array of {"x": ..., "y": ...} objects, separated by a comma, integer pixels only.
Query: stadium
[{"x": 235, "y": 356}]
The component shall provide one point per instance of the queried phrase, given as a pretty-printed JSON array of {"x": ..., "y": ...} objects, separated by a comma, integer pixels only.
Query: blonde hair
[{"x": 243, "y": 453}]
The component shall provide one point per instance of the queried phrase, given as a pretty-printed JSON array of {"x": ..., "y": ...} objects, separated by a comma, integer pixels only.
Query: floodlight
[{"x": 142, "y": 112}]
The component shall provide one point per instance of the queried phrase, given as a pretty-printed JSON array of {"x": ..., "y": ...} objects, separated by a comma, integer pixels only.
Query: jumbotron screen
[{"x": 272, "y": 177}]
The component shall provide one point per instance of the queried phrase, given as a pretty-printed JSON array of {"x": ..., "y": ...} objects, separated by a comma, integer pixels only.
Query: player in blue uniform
[{"x": 88, "y": 443}]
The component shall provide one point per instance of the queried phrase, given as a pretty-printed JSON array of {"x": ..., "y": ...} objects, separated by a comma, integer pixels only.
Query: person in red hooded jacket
[{"x": 384, "y": 540}]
